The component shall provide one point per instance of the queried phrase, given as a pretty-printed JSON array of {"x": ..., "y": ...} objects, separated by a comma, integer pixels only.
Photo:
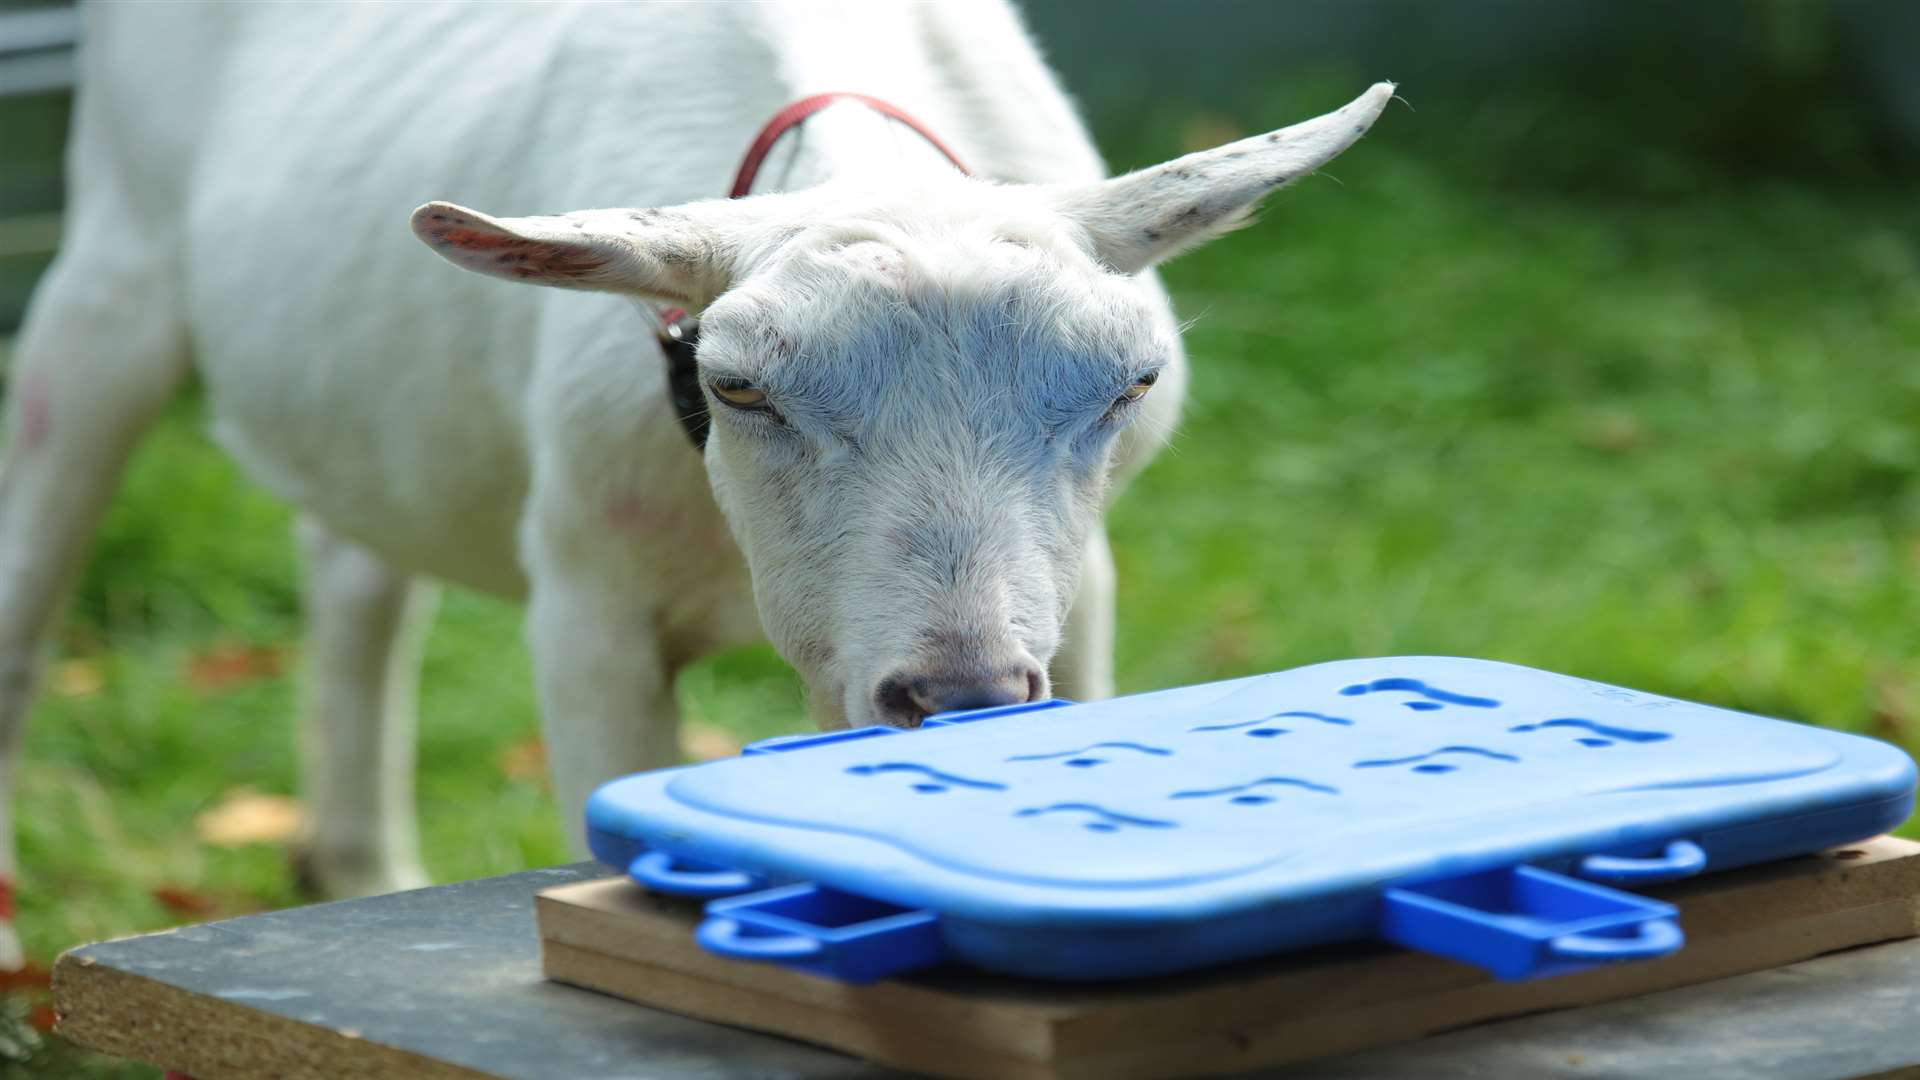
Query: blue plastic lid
[{"x": 1203, "y": 800}]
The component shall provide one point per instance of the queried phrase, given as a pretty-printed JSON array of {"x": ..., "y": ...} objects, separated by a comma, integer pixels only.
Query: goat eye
[
  {"x": 1140, "y": 386},
  {"x": 739, "y": 393}
]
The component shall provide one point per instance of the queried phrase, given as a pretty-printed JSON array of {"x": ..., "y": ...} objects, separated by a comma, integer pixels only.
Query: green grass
[{"x": 1670, "y": 444}]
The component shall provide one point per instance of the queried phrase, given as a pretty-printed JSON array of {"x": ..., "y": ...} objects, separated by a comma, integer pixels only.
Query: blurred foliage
[
  {"x": 1672, "y": 447},
  {"x": 1577, "y": 96}
]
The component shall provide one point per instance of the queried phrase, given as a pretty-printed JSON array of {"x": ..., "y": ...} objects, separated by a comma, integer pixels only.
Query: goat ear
[
  {"x": 1145, "y": 217},
  {"x": 672, "y": 255}
]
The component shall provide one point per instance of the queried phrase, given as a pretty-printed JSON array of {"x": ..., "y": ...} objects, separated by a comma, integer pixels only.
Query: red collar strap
[
  {"x": 678, "y": 334},
  {"x": 797, "y": 113},
  {"x": 793, "y": 116}
]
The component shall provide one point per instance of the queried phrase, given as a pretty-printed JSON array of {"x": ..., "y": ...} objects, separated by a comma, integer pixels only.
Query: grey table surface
[{"x": 453, "y": 972}]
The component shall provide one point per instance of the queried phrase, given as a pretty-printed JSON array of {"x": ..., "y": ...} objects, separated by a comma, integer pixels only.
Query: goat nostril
[
  {"x": 905, "y": 699},
  {"x": 896, "y": 705}
]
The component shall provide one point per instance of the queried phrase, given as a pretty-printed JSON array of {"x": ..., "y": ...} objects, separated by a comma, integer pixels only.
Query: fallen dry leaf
[
  {"x": 183, "y": 901},
  {"x": 704, "y": 742},
  {"x": 245, "y": 816},
  {"x": 1894, "y": 706},
  {"x": 524, "y": 762},
  {"x": 79, "y": 678},
  {"x": 1614, "y": 432},
  {"x": 31, "y": 977},
  {"x": 232, "y": 663}
]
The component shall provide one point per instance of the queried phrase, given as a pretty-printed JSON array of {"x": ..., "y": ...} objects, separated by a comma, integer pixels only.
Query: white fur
[{"x": 921, "y": 526}]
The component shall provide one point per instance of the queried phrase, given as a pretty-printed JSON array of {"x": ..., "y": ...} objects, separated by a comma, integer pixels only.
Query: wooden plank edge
[
  {"x": 1043, "y": 1022},
  {"x": 1742, "y": 901},
  {"x": 1223, "y": 1046},
  {"x": 651, "y": 934},
  {"x": 1385, "y": 1023},
  {"x": 925, "y": 1050},
  {"x": 132, "y": 1016}
]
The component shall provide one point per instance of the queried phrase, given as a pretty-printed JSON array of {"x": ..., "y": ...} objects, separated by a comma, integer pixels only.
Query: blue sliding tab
[
  {"x": 823, "y": 931},
  {"x": 1522, "y": 922}
]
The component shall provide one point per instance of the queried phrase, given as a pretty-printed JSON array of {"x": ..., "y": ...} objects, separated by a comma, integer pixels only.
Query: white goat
[{"x": 924, "y": 386}]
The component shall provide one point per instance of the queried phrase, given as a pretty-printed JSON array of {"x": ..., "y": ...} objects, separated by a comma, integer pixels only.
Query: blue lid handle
[
  {"x": 727, "y": 937},
  {"x": 1682, "y": 858},
  {"x": 1522, "y": 922},
  {"x": 662, "y": 872},
  {"x": 823, "y": 931},
  {"x": 1656, "y": 937}
]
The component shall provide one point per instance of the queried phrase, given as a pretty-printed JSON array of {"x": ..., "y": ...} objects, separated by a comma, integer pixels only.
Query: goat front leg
[
  {"x": 606, "y": 695},
  {"x": 1083, "y": 668}
]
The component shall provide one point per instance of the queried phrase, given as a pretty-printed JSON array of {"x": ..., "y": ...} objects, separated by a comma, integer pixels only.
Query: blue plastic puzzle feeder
[{"x": 1470, "y": 809}]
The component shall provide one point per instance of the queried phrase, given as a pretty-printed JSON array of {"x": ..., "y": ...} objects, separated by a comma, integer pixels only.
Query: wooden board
[{"x": 614, "y": 937}]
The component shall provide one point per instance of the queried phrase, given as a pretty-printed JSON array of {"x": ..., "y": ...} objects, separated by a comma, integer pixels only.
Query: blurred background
[{"x": 1602, "y": 355}]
